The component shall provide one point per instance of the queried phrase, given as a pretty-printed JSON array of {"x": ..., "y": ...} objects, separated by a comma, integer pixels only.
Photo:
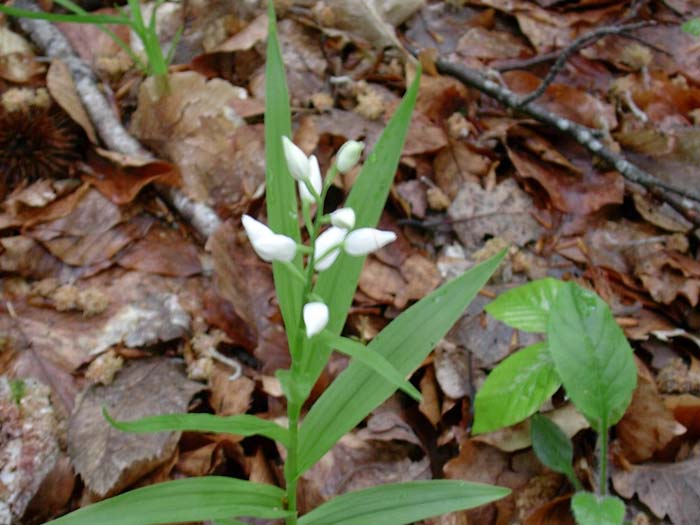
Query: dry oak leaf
[
  {"x": 647, "y": 426},
  {"x": 667, "y": 489},
  {"x": 505, "y": 211},
  {"x": 193, "y": 126},
  {"x": 109, "y": 460}
]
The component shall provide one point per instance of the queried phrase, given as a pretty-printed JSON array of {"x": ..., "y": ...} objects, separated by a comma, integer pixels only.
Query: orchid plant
[{"x": 315, "y": 284}]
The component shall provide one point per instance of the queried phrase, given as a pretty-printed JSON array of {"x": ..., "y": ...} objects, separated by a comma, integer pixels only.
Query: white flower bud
[
  {"x": 367, "y": 240},
  {"x": 276, "y": 247},
  {"x": 348, "y": 155},
  {"x": 297, "y": 162},
  {"x": 315, "y": 318},
  {"x": 269, "y": 245},
  {"x": 333, "y": 236},
  {"x": 343, "y": 218},
  {"x": 314, "y": 179},
  {"x": 255, "y": 229}
]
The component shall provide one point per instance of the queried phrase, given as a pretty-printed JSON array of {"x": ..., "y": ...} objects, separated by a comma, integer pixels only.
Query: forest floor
[{"x": 112, "y": 295}]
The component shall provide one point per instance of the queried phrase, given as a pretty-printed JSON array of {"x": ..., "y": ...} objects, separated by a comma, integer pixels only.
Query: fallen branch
[
  {"x": 54, "y": 45},
  {"x": 685, "y": 201}
]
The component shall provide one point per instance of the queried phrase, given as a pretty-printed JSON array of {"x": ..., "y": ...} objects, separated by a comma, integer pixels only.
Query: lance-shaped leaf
[
  {"x": 184, "y": 500},
  {"x": 280, "y": 192},
  {"x": 526, "y": 307},
  {"x": 515, "y": 389},
  {"x": 336, "y": 285},
  {"x": 402, "y": 503},
  {"x": 404, "y": 343},
  {"x": 373, "y": 360},
  {"x": 591, "y": 355},
  {"x": 553, "y": 447},
  {"x": 241, "y": 425}
]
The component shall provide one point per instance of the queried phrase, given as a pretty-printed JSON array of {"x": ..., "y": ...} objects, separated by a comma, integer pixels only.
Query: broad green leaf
[
  {"x": 184, "y": 500},
  {"x": 590, "y": 509},
  {"x": 692, "y": 26},
  {"x": 591, "y": 355},
  {"x": 280, "y": 192},
  {"x": 373, "y": 360},
  {"x": 526, "y": 307},
  {"x": 402, "y": 503},
  {"x": 404, "y": 343},
  {"x": 552, "y": 447},
  {"x": 515, "y": 389},
  {"x": 231, "y": 521},
  {"x": 336, "y": 286},
  {"x": 243, "y": 425}
]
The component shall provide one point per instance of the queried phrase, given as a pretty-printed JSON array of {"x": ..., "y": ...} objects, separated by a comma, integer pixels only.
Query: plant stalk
[
  {"x": 290, "y": 466},
  {"x": 603, "y": 463}
]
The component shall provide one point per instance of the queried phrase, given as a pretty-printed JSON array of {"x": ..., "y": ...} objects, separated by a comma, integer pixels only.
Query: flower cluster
[{"x": 340, "y": 236}]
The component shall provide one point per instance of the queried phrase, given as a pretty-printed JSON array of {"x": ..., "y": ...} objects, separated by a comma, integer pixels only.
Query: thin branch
[
  {"x": 578, "y": 44},
  {"x": 55, "y": 46},
  {"x": 685, "y": 201}
]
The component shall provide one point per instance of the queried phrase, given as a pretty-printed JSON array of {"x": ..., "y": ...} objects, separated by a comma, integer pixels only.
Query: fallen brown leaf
[
  {"x": 667, "y": 489},
  {"x": 109, "y": 460}
]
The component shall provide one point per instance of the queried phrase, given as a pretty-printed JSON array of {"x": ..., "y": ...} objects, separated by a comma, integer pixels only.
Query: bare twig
[
  {"x": 52, "y": 42},
  {"x": 578, "y": 44},
  {"x": 685, "y": 201}
]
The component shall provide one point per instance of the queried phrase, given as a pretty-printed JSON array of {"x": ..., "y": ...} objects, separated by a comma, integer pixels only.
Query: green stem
[
  {"x": 290, "y": 466},
  {"x": 603, "y": 463}
]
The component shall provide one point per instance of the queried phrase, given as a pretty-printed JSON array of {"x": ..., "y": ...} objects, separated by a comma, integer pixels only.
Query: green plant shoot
[{"x": 315, "y": 283}]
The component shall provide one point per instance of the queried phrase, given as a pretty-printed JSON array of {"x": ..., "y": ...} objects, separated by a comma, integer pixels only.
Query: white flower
[
  {"x": 349, "y": 155},
  {"x": 343, "y": 218},
  {"x": 315, "y": 318},
  {"x": 367, "y": 240},
  {"x": 332, "y": 237},
  {"x": 314, "y": 179},
  {"x": 297, "y": 162},
  {"x": 269, "y": 245}
]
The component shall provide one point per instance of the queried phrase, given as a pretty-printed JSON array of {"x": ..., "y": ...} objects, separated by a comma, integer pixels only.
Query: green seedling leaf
[
  {"x": 692, "y": 26},
  {"x": 184, "y": 500},
  {"x": 371, "y": 359},
  {"x": 18, "y": 388},
  {"x": 590, "y": 509},
  {"x": 243, "y": 425},
  {"x": 404, "y": 343},
  {"x": 336, "y": 286},
  {"x": 553, "y": 447},
  {"x": 591, "y": 355},
  {"x": 402, "y": 503},
  {"x": 280, "y": 192},
  {"x": 515, "y": 389},
  {"x": 526, "y": 307}
]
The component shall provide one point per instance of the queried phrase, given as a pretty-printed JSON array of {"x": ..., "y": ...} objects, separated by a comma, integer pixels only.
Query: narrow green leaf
[
  {"x": 692, "y": 26},
  {"x": 242, "y": 425},
  {"x": 590, "y": 509},
  {"x": 280, "y": 192},
  {"x": 515, "y": 389},
  {"x": 184, "y": 500},
  {"x": 336, "y": 286},
  {"x": 402, "y": 503},
  {"x": 553, "y": 447},
  {"x": 371, "y": 359},
  {"x": 526, "y": 307},
  {"x": 404, "y": 343},
  {"x": 56, "y": 17},
  {"x": 591, "y": 355}
]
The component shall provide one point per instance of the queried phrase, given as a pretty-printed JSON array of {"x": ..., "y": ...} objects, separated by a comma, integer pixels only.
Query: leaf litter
[{"x": 111, "y": 297}]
